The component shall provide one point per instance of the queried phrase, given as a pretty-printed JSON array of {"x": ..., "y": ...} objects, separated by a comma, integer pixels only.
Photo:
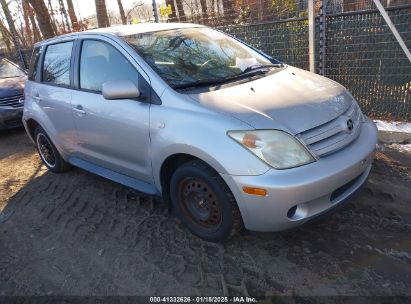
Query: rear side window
[
  {"x": 100, "y": 62},
  {"x": 33, "y": 64},
  {"x": 56, "y": 66}
]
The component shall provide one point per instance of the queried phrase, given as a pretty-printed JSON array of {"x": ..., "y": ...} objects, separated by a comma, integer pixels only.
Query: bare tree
[
  {"x": 13, "y": 32},
  {"x": 173, "y": 16},
  {"x": 203, "y": 4},
  {"x": 101, "y": 12},
  {"x": 28, "y": 30},
  {"x": 36, "y": 31},
  {"x": 122, "y": 14},
  {"x": 43, "y": 18},
  {"x": 180, "y": 9},
  {"x": 6, "y": 36},
  {"x": 72, "y": 14},
  {"x": 228, "y": 10}
]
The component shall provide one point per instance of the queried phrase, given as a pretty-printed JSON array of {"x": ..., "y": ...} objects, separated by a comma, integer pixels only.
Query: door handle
[
  {"x": 79, "y": 110},
  {"x": 37, "y": 98}
]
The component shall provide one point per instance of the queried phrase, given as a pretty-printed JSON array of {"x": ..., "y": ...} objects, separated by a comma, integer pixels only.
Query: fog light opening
[{"x": 291, "y": 212}]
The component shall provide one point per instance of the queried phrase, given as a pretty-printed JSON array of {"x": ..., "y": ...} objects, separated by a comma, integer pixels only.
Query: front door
[{"x": 113, "y": 134}]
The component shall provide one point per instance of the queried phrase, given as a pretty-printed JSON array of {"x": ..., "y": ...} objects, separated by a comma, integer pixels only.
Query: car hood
[
  {"x": 291, "y": 99},
  {"x": 12, "y": 86}
]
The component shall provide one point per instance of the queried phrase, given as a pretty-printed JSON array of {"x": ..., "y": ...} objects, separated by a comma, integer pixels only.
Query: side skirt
[{"x": 115, "y": 176}]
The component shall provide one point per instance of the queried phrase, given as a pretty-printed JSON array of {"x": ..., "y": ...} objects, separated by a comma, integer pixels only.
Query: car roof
[{"x": 129, "y": 29}]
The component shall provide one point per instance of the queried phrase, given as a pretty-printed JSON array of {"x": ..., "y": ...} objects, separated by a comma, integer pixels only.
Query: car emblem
[
  {"x": 350, "y": 125},
  {"x": 21, "y": 100}
]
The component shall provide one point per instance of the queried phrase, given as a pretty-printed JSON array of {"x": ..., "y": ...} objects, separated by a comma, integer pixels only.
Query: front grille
[
  {"x": 16, "y": 101},
  {"x": 13, "y": 122},
  {"x": 335, "y": 134}
]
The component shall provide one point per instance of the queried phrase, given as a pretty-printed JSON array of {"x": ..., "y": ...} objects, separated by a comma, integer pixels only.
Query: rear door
[
  {"x": 52, "y": 94},
  {"x": 113, "y": 134}
]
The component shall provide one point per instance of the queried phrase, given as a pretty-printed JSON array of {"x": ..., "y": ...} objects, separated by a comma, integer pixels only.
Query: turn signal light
[{"x": 255, "y": 191}]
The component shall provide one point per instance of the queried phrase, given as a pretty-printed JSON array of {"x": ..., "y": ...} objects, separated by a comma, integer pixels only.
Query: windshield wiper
[
  {"x": 211, "y": 82},
  {"x": 262, "y": 66}
]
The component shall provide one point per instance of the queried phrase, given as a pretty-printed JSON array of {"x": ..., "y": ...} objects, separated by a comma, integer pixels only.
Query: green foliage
[
  {"x": 283, "y": 8},
  {"x": 243, "y": 15}
]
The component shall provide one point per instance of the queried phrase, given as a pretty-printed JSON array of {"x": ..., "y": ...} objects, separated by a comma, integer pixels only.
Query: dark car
[{"x": 12, "y": 80}]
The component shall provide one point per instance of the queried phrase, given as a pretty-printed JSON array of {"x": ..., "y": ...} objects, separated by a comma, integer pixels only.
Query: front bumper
[
  {"x": 10, "y": 118},
  {"x": 298, "y": 195}
]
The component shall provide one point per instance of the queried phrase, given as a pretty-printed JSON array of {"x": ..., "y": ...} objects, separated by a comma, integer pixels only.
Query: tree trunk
[
  {"x": 101, "y": 11},
  {"x": 203, "y": 4},
  {"x": 6, "y": 36},
  {"x": 26, "y": 13},
  {"x": 52, "y": 19},
  {"x": 13, "y": 33},
  {"x": 228, "y": 10},
  {"x": 43, "y": 18},
  {"x": 36, "y": 32},
  {"x": 72, "y": 14},
  {"x": 121, "y": 9},
  {"x": 173, "y": 16},
  {"x": 180, "y": 9}
]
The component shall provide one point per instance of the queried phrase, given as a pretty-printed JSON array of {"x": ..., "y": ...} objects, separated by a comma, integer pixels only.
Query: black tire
[
  {"x": 204, "y": 203},
  {"x": 48, "y": 152}
]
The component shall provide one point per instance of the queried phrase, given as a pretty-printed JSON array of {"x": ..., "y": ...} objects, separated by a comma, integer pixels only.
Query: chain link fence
[
  {"x": 361, "y": 53},
  {"x": 356, "y": 49}
]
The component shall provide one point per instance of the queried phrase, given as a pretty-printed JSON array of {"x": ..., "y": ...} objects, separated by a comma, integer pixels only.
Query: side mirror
[{"x": 120, "y": 89}]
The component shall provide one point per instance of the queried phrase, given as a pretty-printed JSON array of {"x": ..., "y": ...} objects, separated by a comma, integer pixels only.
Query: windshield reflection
[{"x": 191, "y": 55}]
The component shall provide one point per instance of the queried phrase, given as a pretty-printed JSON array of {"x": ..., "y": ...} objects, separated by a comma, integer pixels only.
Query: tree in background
[
  {"x": 43, "y": 18},
  {"x": 122, "y": 14},
  {"x": 228, "y": 10},
  {"x": 5, "y": 36},
  {"x": 283, "y": 8},
  {"x": 30, "y": 12},
  {"x": 14, "y": 34},
  {"x": 204, "y": 11},
  {"x": 27, "y": 26},
  {"x": 180, "y": 10},
  {"x": 173, "y": 16},
  {"x": 72, "y": 14},
  {"x": 101, "y": 12}
]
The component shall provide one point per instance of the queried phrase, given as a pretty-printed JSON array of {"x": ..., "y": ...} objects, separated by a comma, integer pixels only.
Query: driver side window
[{"x": 100, "y": 62}]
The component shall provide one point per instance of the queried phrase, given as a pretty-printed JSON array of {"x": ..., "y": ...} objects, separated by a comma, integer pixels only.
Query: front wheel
[
  {"x": 49, "y": 153},
  {"x": 204, "y": 203}
]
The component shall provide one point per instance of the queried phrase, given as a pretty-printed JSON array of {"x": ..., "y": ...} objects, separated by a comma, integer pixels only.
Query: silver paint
[{"x": 134, "y": 138}]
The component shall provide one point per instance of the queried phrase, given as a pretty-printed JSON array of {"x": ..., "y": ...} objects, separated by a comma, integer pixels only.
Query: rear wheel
[
  {"x": 204, "y": 203},
  {"x": 49, "y": 153}
]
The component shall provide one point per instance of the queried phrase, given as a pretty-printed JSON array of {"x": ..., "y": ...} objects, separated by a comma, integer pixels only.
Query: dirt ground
[{"x": 79, "y": 234}]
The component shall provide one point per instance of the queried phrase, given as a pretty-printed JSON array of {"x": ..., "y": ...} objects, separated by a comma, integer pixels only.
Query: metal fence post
[
  {"x": 393, "y": 29},
  {"x": 155, "y": 11},
  {"x": 323, "y": 36},
  {"x": 311, "y": 35}
]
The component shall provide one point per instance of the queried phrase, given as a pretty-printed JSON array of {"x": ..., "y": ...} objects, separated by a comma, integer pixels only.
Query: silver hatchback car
[{"x": 227, "y": 135}]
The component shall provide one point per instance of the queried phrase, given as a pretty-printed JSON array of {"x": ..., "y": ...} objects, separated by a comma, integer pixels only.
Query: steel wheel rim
[
  {"x": 46, "y": 150},
  {"x": 200, "y": 203}
]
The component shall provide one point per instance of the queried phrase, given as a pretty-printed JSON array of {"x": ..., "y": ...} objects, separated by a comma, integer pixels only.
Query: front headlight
[{"x": 277, "y": 148}]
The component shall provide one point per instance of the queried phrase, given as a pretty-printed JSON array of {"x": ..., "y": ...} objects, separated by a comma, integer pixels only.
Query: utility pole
[{"x": 311, "y": 35}]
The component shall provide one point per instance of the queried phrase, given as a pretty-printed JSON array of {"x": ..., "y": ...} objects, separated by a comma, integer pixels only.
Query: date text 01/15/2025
[{"x": 202, "y": 299}]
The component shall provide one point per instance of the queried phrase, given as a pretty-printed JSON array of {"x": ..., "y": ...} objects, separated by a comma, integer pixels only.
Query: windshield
[
  {"x": 185, "y": 56},
  {"x": 8, "y": 70}
]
